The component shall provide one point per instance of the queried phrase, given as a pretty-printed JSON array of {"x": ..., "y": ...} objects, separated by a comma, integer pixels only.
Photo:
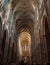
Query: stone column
[{"x": 6, "y": 48}]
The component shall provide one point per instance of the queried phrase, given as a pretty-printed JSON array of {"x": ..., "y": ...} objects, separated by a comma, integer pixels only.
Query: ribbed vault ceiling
[
  {"x": 24, "y": 7},
  {"x": 25, "y": 12}
]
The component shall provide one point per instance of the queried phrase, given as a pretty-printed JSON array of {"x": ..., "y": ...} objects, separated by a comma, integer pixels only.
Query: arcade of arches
[{"x": 25, "y": 32}]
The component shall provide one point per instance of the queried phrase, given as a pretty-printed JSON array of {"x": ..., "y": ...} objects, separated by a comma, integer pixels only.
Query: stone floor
[{"x": 23, "y": 64}]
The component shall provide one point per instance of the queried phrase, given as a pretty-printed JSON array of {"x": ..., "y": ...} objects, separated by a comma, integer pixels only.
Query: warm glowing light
[{"x": 24, "y": 41}]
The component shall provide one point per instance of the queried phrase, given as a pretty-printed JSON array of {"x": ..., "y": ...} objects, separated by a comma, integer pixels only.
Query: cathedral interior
[{"x": 24, "y": 32}]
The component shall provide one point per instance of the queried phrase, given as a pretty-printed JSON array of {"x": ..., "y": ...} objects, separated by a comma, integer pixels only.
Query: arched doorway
[{"x": 24, "y": 43}]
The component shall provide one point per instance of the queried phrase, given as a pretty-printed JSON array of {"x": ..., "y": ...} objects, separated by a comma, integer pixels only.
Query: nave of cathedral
[{"x": 24, "y": 32}]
